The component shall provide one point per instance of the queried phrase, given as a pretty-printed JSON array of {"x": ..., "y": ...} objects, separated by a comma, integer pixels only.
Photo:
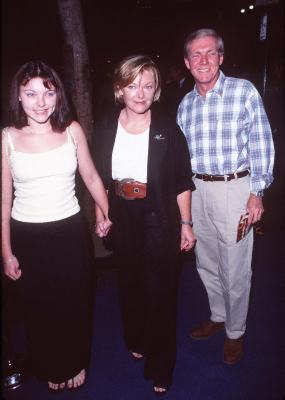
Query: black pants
[{"x": 147, "y": 288}]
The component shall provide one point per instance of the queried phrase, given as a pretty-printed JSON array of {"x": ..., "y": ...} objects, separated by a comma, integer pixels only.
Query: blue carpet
[{"x": 200, "y": 373}]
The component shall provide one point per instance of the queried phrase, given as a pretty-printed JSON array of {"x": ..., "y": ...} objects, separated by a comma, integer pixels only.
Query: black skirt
[{"x": 55, "y": 288}]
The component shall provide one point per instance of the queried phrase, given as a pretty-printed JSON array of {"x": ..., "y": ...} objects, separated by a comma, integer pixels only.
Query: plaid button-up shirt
[{"x": 228, "y": 131}]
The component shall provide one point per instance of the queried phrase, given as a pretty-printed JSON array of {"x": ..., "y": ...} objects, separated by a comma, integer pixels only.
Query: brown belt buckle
[
  {"x": 121, "y": 191},
  {"x": 206, "y": 178}
]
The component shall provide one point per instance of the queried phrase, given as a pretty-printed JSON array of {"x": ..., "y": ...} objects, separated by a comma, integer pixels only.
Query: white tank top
[
  {"x": 44, "y": 182},
  {"x": 130, "y": 155}
]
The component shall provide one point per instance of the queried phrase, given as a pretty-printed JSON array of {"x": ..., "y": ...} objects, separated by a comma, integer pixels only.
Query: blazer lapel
[{"x": 157, "y": 147}]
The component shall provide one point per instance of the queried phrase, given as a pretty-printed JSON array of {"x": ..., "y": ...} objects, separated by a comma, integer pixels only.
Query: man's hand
[{"x": 254, "y": 208}]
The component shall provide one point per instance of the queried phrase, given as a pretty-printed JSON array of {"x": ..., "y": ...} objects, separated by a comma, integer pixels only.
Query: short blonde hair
[{"x": 127, "y": 71}]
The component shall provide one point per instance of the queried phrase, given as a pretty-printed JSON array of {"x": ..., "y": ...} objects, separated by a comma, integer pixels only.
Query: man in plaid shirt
[{"x": 232, "y": 154}]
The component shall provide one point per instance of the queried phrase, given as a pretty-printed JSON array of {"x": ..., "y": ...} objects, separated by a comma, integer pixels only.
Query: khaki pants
[{"x": 223, "y": 264}]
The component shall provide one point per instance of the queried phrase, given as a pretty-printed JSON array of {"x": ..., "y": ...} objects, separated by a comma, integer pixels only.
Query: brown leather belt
[
  {"x": 226, "y": 177},
  {"x": 129, "y": 189}
]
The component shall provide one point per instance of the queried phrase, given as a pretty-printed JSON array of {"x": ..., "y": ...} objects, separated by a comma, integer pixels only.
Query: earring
[{"x": 20, "y": 99}]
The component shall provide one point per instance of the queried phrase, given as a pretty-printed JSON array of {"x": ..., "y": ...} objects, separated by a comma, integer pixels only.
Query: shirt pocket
[{"x": 232, "y": 132}]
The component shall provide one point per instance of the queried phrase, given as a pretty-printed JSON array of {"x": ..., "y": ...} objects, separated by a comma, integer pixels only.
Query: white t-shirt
[{"x": 130, "y": 155}]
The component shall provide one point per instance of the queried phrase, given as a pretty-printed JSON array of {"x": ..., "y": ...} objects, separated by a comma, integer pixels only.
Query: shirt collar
[{"x": 219, "y": 85}]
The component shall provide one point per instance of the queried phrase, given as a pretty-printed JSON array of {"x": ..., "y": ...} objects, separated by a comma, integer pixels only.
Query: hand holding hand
[
  {"x": 102, "y": 227},
  {"x": 12, "y": 268},
  {"x": 188, "y": 238}
]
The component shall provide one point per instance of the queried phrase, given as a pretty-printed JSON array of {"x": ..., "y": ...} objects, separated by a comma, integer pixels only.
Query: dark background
[{"x": 31, "y": 30}]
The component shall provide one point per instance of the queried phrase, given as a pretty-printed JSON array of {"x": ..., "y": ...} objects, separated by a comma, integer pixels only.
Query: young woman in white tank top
[{"x": 43, "y": 243}]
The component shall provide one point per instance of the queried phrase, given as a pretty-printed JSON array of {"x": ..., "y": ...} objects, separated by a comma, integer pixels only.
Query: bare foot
[
  {"x": 158, "y": 389},
  {"x": 56, "y": 386},
  {"x": 137, "y": 355},
  {"x": 77, "y": 381}
]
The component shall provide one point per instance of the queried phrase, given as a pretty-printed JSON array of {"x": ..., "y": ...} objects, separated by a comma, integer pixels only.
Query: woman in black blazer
[{"x": 143, "y": 159}]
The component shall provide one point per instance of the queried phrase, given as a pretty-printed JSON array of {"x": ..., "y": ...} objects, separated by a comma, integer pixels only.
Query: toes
[
  {"x": 53, "y": 386},
  {"x": 56, "y": 386},
  {"x": 137, "y": 355},
  {"x": 158, "y": 389},
  {"x": 77, "y": 381}
]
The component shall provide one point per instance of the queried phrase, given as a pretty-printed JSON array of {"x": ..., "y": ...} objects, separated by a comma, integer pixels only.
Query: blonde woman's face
[{"x": 138, "y": 95}]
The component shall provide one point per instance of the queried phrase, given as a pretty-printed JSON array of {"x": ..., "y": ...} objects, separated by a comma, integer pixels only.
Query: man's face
[{"x": 204, "y": 61}]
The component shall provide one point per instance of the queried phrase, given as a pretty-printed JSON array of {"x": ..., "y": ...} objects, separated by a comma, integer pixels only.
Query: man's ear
[
  {"x": 221, "y": 59},
  {"x": 187, "y": 63}
]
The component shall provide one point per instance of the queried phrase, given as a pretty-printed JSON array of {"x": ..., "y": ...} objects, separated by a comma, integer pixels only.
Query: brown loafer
[
  {"x": 233, "y": 350},
  {"x": 207, "y": 329}
]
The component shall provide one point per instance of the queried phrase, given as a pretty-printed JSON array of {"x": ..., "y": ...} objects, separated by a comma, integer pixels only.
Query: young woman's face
[
  {"x": 38, "y": 101},
  {"x": 138, "y": 95}
]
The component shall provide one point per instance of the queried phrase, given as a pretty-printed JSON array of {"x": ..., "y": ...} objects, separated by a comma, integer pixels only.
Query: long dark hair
[{"x": 61, "y": 117}]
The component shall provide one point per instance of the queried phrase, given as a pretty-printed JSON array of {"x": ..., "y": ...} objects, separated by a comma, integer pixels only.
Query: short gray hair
[{"x": 200, "y": 33}]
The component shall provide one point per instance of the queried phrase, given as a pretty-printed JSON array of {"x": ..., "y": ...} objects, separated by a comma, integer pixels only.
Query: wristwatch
[
  {"x": 190, "y": 222},
  {"x": 258, "y": 193}
]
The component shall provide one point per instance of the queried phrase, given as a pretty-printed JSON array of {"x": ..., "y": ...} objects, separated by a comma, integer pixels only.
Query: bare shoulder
[
  {"x": 5, "y": 141},
  {"x": 16, "y": 135},
  {"x": 76, "y": 131},
  {"x": 6, "y": 129},
  {"x": 76, "y": 127},
  {"x": 9, "y": 130}
]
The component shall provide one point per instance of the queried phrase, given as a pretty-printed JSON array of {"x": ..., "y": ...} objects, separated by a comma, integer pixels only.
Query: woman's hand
[
  {"x": 188, "y": 238},
  {"x": 102, "y": 227},
  {"x": 12, "y": 268}
]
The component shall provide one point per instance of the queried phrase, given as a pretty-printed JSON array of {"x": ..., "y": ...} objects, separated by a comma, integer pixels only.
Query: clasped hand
[{"x": 102, "y": 227}]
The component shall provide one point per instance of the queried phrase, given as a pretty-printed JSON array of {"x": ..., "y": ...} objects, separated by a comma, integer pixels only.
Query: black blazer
[{"x": 168, "y": 171}]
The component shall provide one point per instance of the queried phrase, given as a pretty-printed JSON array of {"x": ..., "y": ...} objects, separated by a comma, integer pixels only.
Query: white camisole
[{"x": 44, "y": 182}]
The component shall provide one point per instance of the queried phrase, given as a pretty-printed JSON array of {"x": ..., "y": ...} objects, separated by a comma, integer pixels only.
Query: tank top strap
[
  {"x": 9, "y": 145},
  {"x": 70, "y": 137}
]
